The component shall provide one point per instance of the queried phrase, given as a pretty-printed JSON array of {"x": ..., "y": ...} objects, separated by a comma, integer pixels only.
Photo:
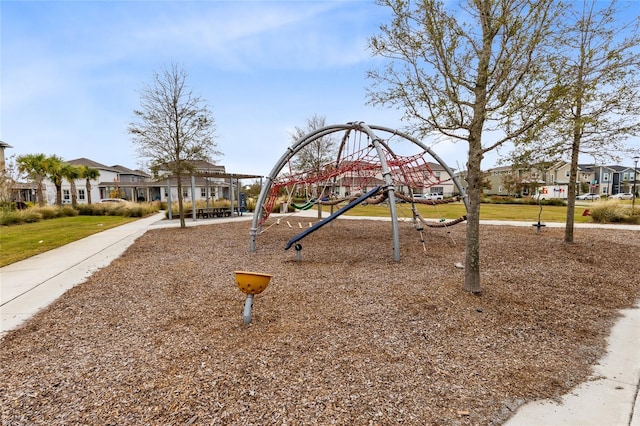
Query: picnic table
[{"x": 216, "y": 212}]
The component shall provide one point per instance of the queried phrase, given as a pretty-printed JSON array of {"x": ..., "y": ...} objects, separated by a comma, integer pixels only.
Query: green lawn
[
  {"x": 519, "y": 212},
  {"x": 19, "y": 242}
]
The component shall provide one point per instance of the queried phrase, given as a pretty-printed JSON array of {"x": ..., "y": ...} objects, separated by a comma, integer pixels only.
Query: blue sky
[{"x": 72, "y": 72}]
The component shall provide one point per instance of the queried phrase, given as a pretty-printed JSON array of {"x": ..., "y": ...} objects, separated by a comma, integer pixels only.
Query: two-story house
[
  {"x": 599, "y": 179},
  {"x": 207, "y": 182}
]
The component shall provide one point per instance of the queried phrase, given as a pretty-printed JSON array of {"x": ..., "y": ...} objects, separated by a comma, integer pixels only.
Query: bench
[{"x": 216, "y": 212}]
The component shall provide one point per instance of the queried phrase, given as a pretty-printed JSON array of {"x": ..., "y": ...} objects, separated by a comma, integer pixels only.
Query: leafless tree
[{"x": 173, "y": 127}]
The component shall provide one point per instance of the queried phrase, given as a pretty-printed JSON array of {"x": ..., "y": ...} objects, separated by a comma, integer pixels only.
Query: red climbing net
[{"x": 353, "y": 173}]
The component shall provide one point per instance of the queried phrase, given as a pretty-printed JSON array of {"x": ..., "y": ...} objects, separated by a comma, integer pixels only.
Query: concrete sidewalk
[{"x": 610, "y": 399}]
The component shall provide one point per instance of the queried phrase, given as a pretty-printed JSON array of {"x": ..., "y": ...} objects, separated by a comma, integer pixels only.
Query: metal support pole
[
  {"x": 193, "y": 197},
  {"x": 169, "y": 197},
  {"x": 231, "y": 194},
  {"x": 207, "y": 191},
  {"x": 248, "y": 306},
  {"x": 635, "y": 178}
]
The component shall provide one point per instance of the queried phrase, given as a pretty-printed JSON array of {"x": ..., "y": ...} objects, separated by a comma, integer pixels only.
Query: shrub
[
  {"x": 17, "y": 217},
  {"x": 10, "y": 217},
  {"x": 35, "y": 214},
  {"x": 30, "y": 216},
  {"x": 47, "y": 212},
  {"x": 128, "y": 209},
  {"x": 612, "y": 211},
  {"x": 67, "y": 211}
]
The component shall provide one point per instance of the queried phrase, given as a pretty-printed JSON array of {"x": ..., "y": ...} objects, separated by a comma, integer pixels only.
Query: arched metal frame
[{"x": 378, "y": 143}]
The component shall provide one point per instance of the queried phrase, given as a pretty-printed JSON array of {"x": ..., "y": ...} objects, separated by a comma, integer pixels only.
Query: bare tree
[
  {"x": 597, "y": 60},
  {"x": 470, "y": 70},
  {"x": 317, "y": 153},
  {"x": 173, "y": 127}
]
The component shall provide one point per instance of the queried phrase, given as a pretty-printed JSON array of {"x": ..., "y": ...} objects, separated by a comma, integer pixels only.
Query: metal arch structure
[{"x": 379, "y": 144}]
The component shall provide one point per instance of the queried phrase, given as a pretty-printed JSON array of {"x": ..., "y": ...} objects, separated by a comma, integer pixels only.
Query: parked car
[
  {"x": 588, "y": 196},
  {"x": 428, "y": 196},
  {"x": 622, "y": 196}
]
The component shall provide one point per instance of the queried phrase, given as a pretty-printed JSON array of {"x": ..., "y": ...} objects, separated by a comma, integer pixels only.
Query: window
[
  {"x": 605, "y": 177},
  {"x": 66, "y": 195},
  {"x": 567, "y": 173},
  {"x": 625, "y": 176},
  {"x": 81, "y": 194},
  {"x": 203, "y": 192}
]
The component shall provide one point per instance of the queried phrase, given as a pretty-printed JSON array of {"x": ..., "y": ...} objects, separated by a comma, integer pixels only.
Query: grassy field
[
  {"x": 22, "y": 241},
  {"x": 518, "y": 212}
]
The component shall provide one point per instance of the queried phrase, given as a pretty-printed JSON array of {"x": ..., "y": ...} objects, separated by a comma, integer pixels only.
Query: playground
[{"x": 344, "y": 335}]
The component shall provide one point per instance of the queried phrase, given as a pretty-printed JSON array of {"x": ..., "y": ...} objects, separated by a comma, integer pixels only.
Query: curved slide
[{"x": 320, "y": 224}]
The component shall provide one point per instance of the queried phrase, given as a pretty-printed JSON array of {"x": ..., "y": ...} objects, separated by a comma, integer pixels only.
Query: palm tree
[
  {"x": 71, "y": 173},
  {"x": 89, "y": 173},
  {"x": 55, "y": 171},
  {"x": 35, "y": 167}
]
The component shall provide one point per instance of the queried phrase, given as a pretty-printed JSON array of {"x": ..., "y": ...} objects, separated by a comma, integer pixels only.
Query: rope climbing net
[
  {"x": 371, "y": 164},
  {"x": 356, "y": 169}
]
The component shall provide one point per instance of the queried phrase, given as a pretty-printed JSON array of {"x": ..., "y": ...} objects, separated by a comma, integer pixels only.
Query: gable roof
[
  {"x": 126, "y": 171},
  {"x": 90, "y": 163}
]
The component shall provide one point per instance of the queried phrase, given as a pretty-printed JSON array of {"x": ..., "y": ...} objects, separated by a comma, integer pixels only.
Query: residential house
[
  {"x": 426, "y": 178},
  {"x": 512, "y": 181},
  {"x": 600, "y": 179},
  {"x": 208, "y": 182}
]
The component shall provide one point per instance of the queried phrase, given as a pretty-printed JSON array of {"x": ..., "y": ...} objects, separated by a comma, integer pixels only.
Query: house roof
[
  {"x": 126, "y": 171},
  {"x": 90, "y": 163}
]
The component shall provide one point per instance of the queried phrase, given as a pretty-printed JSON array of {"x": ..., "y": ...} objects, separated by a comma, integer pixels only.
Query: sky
[{"x": 72, "y": 73}]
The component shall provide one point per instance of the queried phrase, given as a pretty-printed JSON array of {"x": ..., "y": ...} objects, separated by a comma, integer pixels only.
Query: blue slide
[{"x": 330, "y": 218}]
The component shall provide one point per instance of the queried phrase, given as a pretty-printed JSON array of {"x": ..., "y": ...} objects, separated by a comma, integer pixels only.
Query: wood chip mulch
[{"x": 344, "y": 336}]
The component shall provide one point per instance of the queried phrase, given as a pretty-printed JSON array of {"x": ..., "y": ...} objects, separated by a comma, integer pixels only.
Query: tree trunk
[
  {"x": 474, "y": 193},
  {"x": 575, "y": 149},
  {"x": 59, "y": 195},
  {"x": 180, "y": 203},
  {"x": 88, "y": 186},
  {"x": 571, "y": 192},
  {"x": 74, "y": 195},
  {"x": 39, "y": 191}
]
